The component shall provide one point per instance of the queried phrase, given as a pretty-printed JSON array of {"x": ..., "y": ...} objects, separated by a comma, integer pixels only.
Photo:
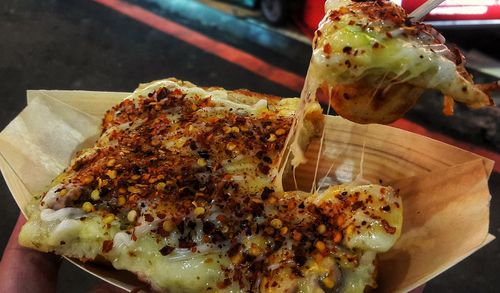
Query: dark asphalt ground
[{"x": 82, "y": 45}]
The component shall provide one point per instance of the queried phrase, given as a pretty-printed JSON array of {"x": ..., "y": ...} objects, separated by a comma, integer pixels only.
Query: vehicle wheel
[{"x": 274, "y": 11}]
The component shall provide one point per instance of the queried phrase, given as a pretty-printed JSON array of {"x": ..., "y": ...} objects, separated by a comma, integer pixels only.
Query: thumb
[{"x": 26, "y": 270}]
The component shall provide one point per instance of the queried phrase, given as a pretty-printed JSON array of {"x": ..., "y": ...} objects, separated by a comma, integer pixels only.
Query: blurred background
[{"x": 261, "y": 45}]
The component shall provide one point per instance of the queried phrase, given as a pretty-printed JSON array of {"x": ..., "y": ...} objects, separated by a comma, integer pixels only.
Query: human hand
[{"x": 26, "y": 270}]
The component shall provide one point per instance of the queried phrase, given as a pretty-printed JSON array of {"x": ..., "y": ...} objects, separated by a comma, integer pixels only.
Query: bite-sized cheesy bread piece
[{"x": 374, "y": 63}]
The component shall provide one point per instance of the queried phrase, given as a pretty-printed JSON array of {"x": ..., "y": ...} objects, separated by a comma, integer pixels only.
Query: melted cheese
[
  {"x": 220, "y": 97},
  {"x": 48, "y": 215}
]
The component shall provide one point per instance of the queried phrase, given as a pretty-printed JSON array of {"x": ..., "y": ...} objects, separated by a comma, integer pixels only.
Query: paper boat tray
[{"x": 444, "y": 189}]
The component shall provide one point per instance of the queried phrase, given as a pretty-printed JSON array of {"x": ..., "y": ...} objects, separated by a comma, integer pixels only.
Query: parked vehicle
[
  {"x": 276, "y": 12},
  {"x": 308, "y": 13}
]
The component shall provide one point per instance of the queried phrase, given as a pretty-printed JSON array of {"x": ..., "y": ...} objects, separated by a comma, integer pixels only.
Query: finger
[{"x": 26, "y": 270}]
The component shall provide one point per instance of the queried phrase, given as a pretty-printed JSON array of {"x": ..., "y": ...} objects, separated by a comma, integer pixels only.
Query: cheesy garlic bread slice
[
  {"x": 374, "y": 62},
  {"x": 181, "y": 190}
]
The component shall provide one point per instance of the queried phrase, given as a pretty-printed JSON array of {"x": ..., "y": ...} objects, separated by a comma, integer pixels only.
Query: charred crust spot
[
  {"x": 107, "y": 245},
  {"x": 388, "y": 228}
]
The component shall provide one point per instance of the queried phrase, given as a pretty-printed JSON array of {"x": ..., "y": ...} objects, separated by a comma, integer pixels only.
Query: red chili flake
[
  {"x": 266, "y": 193},
  {"x": 192, "y": 145},
  {"x": 386, "y": 208},
  {"x": 347, "y": 50},
  {"x": 388, "y": 228},
  {"x": 208, "y": 227},
  {"x": 233, "y": 250},
  {"x": 148, "y": 218},
  {"x": 166, "y": 250},
  {"x": 376, "y": 45},
  {"x": 327, "y": 49},
  {"x": 264, "y": 168},
  {"x": 267, "y": 159},
  {"x": 161, "y": 93},
  {"x": 357, "y": 205},
  {"x": 186, "y": 243},
  {"x": 107, "y": 245},
  {"x": 222, "y": 218},
  {"x": 224, "y": 284}
]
